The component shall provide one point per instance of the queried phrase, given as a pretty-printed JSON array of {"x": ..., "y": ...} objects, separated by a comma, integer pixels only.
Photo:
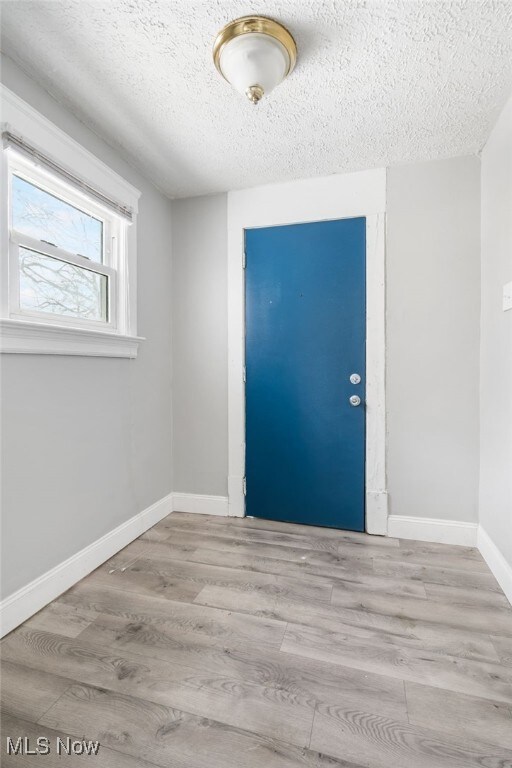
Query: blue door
[{"x": 305, "y": 337}]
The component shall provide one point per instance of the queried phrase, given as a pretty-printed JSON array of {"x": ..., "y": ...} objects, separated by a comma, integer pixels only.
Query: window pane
[
  {"x": 54, "y": 286},
  {"x": 46, "y": 217}
]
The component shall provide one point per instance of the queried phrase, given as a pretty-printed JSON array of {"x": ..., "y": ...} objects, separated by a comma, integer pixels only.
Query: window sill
[{"x": 23, "y": 337}]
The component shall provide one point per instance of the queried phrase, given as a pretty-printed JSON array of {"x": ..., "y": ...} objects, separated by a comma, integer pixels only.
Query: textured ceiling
[{"x": 376, "y": 83}]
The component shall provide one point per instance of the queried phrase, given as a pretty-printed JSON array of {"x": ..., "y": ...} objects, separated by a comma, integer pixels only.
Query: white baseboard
[
  {"x": 501, "y": 569},
  {"x": 199, "y": 504},
  {"x": 432, "y": 529},
  {"x": 28, "y": 600}
]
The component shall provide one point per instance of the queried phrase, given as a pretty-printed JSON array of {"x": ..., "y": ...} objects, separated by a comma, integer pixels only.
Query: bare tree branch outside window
[{"x": 51, "y": 285}]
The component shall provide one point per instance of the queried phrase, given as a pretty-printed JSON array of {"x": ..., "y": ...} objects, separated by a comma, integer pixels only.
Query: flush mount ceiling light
[{"x": 254, "y": 54}]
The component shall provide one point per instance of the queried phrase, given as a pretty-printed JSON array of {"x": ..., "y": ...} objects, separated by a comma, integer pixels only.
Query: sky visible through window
[{"x": 45, "y": 217}]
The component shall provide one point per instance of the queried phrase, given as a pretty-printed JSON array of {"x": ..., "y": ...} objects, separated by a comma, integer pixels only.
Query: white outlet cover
[{"x": 507, "y": 296}]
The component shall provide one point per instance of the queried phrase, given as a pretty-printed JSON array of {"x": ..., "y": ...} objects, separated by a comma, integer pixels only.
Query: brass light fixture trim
[
  {"x": 262, "y": 24},
  {"x": 254, "y": 93}
]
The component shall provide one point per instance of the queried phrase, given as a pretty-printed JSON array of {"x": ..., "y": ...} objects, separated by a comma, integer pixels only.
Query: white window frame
[
  {"x": 111, "y": 252},
  {"x": 35, "y": 332}
]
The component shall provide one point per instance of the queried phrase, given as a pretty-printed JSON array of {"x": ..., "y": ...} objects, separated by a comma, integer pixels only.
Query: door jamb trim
[{"x": 333, "y": 197}]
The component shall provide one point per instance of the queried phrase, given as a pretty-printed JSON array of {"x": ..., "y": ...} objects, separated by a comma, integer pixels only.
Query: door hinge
[
  {"x": 245, "y": 486},
  {"x": 244, "y": 259},
  {"x": 245, "y": 374}
]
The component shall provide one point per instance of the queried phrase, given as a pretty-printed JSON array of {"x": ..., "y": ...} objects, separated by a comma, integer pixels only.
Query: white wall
[
  {"x": 496, "y": 339},
  {"x": 199, "y": 311},
  {"x": 86, "y": 442},
  {"x": 433, "y": 315}
]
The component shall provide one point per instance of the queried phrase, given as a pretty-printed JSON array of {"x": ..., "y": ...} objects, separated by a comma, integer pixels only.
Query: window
[
  {"x": 64, "y": 252},
  {"x": 68, "y": 244}
]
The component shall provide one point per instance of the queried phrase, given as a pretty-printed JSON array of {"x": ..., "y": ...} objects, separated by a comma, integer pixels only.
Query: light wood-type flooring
[{"x": 212, "y": 642}]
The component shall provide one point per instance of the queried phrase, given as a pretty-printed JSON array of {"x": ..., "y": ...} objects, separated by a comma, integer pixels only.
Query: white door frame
[{"x": 332, "y": 197}]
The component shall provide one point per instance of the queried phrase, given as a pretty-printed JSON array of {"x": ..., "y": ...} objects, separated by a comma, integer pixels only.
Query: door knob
[{"x": 355, "y": 400}]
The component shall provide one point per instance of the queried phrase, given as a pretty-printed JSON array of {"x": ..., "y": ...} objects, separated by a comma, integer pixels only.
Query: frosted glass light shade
[
  {"x": 254, "y": 60},
  {"x": 254, "y": 54}
]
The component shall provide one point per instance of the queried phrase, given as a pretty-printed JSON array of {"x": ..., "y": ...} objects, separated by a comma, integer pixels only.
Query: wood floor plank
[
  {"x": 214, "y": 626},
  {"x": 347, "y": 561},
  {"x": 484, "y": 679},
  {"x": 168, "y": 578},
  {"x": 456, "y": 714},
  {"x": 148, "y": 582},
  {"x": 28, "y": 693},
  {"x": 272, "y": 544},
  {"x": 62, "y": 618},
  {"x": 434, "y": 547},
  {"x": 221, "y": 539},
  {"x": 503, "y": 646},
  {"x": 376, "y": 627},
  {"x": 306, "y": 568},
  {"x": 155, "y": 534},
  {"x": 352, "y": 537},
  {"x": 424, "y": 556},
  {"x": 436, "y": 574},
  {"x": 123, "y": 558},
  {"x": 451, "y": 614},
  {"x": 335, "y": 570},
  {"x": 162, "y": 640},
  {"x": 379, "y": 742},
  {"x": 269, "y": 711},
  {"x": 305, "y": 540},
  {"x": 307, "y": 680},
  {"x": 466, "y": 596},
  {"x": 172, "y": 738},
  {"x": 136, "y": 662},
  {"x": 161, "y": 549},
  {"x": 182, "y": 520},
  {"x": 106, "y": 758}
]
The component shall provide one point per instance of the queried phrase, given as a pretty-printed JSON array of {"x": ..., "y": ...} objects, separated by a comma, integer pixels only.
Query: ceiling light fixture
[{"x": 254, "y": 54}]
